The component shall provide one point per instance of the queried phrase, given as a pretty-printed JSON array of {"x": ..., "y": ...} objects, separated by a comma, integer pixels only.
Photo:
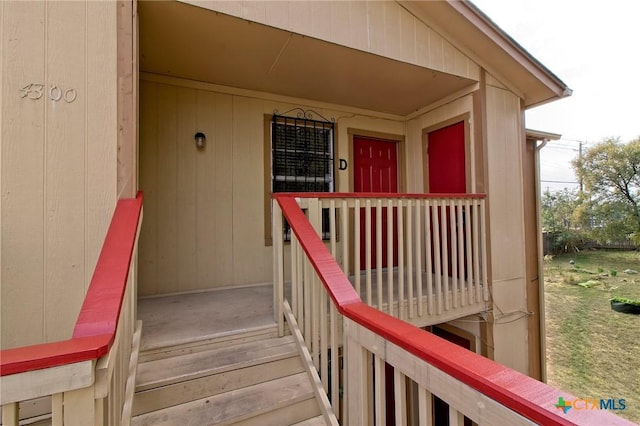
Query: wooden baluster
[
  {"x": 425, "y": 407},
  {"x": 456, "y": 418},
  {"x": 10, "y": 414},
  {"x": 410, "y": 257},
  {"x": 454, "y": 252},
  {"x": 356, "y": 245},
  {"x": 315, "y": 217},
  {"x": 380, "y": 396},
  {"x": 356, "y": 406},
  {"x": 428, "y": 243},
  {"x": 79, "y": 408},
  {"x": 335, "y": 360},
  {"x": 390, "y": 280},
  {"x": 324, "y": 352},
  {"x": 476, "y": 250},
  {"x": 294, "y": 250},
  {"x": 470, "y": 256},
  {"x": 278, "y": 266},
  {"x": 483, "y": 245},
  {"x": 367, "y": 248},
  {"x": 332, "y": 226},
  {"x": 57, "y": 411},
  {"x": 306, "y": 294},
  {"x": 461, "y": 269},
  {"x": 400, "y": 231},
  {"x": 444, "y": 254},
  {"x": 379, "y": 253},
  {"x": 344, "y": 229},
  {"x": 437, "y": 258},
  {"x": 418, "y": 257},
  {"x": 315, "y": 315},
  {"x": 400, "y": 397}
]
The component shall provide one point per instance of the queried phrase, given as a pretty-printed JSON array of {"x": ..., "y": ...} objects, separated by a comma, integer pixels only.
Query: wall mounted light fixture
[{"x": 201, "y": 140}]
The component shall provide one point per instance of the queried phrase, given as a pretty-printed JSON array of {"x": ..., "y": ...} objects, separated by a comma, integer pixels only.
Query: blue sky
[{"x": 594, "y": 47}]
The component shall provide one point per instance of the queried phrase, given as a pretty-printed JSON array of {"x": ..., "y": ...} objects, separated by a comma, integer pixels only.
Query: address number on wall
[{"x": 35, "y": 91}]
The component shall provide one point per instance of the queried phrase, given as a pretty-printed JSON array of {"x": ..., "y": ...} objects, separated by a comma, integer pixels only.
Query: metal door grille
[{"x": 302, "y": 157}]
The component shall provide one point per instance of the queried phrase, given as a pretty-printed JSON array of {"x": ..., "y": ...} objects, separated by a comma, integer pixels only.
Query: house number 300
[{"x": 35, "y": 91}]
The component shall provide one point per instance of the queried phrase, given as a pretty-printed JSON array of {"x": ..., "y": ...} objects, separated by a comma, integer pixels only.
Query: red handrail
[
  {"x": 385, "y": 195},
  {"x": 96, "y": 326},
  {"x": 528, "y": 397}
]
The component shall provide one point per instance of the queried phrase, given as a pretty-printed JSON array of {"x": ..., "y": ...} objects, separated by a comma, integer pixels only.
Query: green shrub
[
  {"x": 613, "y": 272},
  {"x": 635, "y": 302}
]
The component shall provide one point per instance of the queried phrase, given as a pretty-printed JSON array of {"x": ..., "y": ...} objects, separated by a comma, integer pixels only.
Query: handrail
[
  {"x": 340, "y": 290},
  {"x": 528, "y": 397},
  {"x": 95, "y": 328},
  {"x": 385, "y": 195}
]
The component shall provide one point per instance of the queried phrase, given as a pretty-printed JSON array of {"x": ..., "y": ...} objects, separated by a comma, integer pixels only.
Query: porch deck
[
  {"x": 178, "y": 319},
  {"x": 168, "y": 321}
]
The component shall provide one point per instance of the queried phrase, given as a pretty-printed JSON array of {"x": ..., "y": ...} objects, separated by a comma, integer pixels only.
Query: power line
[
  {"x": 559, "y": 181},
  {"x": 564, "y": 147},
  {"x": 571, "y": 140}
]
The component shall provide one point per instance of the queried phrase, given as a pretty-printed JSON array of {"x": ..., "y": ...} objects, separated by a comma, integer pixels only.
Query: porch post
[{"x": 278, "y": 265}]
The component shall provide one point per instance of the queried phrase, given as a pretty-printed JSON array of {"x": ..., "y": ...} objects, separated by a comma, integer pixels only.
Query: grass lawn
[{"x": 593, "y": 351}]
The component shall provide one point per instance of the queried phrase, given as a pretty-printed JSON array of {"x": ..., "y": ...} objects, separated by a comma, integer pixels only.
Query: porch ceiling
[{"x": 189, "y": 42}]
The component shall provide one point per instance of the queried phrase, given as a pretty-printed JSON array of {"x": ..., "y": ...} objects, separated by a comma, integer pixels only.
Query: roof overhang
[
  {"x": 185, "y": 41},
  {"x": 539, "y": 135},
  {"x": 478, "y": 37}
]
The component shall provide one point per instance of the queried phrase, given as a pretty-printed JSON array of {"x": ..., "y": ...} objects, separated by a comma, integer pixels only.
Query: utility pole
[{"x": 580, "y": 162}]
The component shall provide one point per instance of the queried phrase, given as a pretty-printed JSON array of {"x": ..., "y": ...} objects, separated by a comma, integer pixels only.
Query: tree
[
  {"x": 610, "y": 172},
  {"x": 558, "y": 210},
  {"x": 562, "y": 217}
]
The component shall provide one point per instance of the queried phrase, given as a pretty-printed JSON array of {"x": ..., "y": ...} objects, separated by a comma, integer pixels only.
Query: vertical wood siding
[
  {"x": 505, "y": 188},
  {"x": 191, "y": 238},
  {"x": 204, "y": 210},
  {"x": 380, "y": 27},
  {"x": 58, "y": 158}
]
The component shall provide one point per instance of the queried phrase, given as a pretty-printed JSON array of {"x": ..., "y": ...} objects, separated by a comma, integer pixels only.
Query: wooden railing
[
  {"x": 373, "y": 368},
  {"x": 88, "y": 379},
  {"x": 419, "y": 257}
]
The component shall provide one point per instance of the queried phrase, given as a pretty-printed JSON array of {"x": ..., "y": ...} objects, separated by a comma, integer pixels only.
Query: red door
[
  {"x": 447, "y": 160},
  {"x": 447, "y": 171},
  {"x": 375, "y": 170}
]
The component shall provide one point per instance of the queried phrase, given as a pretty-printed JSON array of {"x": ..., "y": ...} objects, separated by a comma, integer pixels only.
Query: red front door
[
  {"x": 375, "y": 170},
  {"x": 447, "y": 172},
  {"x": 447, "y": 169}
]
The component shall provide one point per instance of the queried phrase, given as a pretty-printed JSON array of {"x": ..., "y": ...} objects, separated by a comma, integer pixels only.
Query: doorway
[
  {"x": 375, "y": 170},
  {"x": 446, "y": 172},
  {"x": 447, "y": 160}
]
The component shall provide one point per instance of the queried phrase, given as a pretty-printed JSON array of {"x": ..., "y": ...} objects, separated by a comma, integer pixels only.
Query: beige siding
[
  {"x": 204, "y": 210},
  {"x": 58, "y": 155},
  {"x": 380, "y": 27},
  {"x": 504, "y": 156}
]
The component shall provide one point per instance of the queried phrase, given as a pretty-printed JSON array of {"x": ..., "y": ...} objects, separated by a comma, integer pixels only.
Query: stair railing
[
  {"x": 88, "y": 379},
  {"x": 375, "y": 368}
]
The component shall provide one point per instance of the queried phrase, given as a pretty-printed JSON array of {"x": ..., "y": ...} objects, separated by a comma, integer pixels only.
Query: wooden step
[
  {"x": 166, "y": 371},
  {"x": 314, "y": 421},
  {"x": 182, "y": 392},
  {"x": 291, "y": 398},
  {"x": 197, "y": 344}
]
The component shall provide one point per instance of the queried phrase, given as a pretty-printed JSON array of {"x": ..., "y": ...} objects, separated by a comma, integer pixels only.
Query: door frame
[
  {"x": 399, "y": 140},
  {"x": 470, "y": 179}
]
